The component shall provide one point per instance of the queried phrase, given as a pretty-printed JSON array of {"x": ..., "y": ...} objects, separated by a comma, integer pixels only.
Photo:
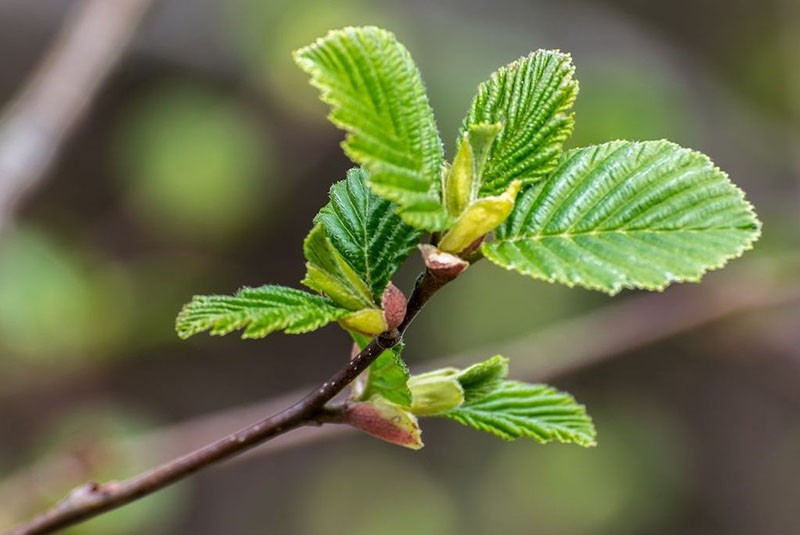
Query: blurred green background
[{"x": 198, "y": 170}]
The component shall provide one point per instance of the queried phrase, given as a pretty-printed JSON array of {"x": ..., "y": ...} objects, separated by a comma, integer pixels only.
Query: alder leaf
[
  {"x": 328, "y": 273},
  {"x": 626, "y": 215},
  {"x": 377, "y": 96},
  {"x": 259, "y": 311},
  {"x": 366, "y": 231},
  {"x": 515, "y": 410},
  {"x": 483, "y": 378},
  {"x": 530, "y": 98},
  {"x": 387, "y": 376}
]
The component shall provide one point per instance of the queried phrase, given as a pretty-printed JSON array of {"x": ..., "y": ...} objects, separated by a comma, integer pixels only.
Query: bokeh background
[{"x": 198, "y": 168}]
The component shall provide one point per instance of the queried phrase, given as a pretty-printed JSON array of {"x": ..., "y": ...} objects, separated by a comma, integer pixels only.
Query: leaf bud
[
  {"x": 394, "y": 306},
  {"x": 436, "y": 392},
  {"x": 385, "y": 420}
]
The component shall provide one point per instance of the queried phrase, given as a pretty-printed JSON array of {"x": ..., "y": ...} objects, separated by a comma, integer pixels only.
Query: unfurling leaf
[
  {"x": 387, "y": 377},
  {"x": 435, "y": 392},
  {"x": 516, "y": 410},
  {"x": 368, "y": 321},
  {"x": 259, "y": 311},
  {"x": 458, "y": 181},
  {"x": 462, "y": 180},
  {"x": 480, "y": 218},
  {"x": 329, "y": 273},
  {"x": 377, "y": 96},
  {"x": 531, "y": 99},
  {"x": 484, "y": 377},
  {"x": 385, "y": 420},
  {"x": 626, "y": 215},
  {"x": 366, "y": 231}
]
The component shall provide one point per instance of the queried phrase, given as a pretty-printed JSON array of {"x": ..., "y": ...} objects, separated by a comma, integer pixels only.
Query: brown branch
[
  {"x": 35, "y": 126},
  {"x": 549, "y": 353},
  {"x": 91, "y": 499}
]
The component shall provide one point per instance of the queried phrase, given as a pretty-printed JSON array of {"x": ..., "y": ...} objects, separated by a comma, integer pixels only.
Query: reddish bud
[
  {"x": 386, "y": 421},
  {"x": 394, "y": 306},
  {"x": 445, "y": 265}
]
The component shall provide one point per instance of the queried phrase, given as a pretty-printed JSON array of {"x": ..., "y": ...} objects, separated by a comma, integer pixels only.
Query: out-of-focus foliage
[
  {"x": 265, "y": 31},
  {"x": 57, "y": 304},
  {"x": 634, "y": 478},
  {"x": 197, "y": 165},
  {"x": 630, "y": 101},
  {"x": 95, "y": 435},
  {"x": 403, "y": 498}
]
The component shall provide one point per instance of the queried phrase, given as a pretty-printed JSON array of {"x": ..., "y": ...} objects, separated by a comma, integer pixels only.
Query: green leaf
[
  {"x": 259, "y": 311},
  {"x": 367, "y": 232},
  {"x": 483, "y": 378},
  {"x": 328, "y": 273},
  {"x": 435, "y": 392},
  {"x": 462, "y": 181},
  {"x": 531, "y": 98},
  {"x": 386, "y": 377},
  {"x": 459, "y": 179},
  {"x": 626, "y": 215},
  {"x": 515, "y": 410},
  {"x": 377, "y": 96},
  {"x": 481, "y": 217}
]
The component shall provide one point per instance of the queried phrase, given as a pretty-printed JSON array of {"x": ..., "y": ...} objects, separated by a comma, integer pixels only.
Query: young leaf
[
  {"x": 515, "y": 410},
  {"x": 459, "y": 179},
  {"x": 387, "y": 376},
  {"x": 480, "y": 218},
  {"x": 531, "y": 98},
  {"x": 481, "y": 379},
  {"x": 436, "y": 392},
  {"x": 367, "y": 232},
  {"x": 626, "y": 215},
  {"x": 376, "y": 95},
  {"x": 259, "y": 311},
  {"x": 328, "y": 273}
]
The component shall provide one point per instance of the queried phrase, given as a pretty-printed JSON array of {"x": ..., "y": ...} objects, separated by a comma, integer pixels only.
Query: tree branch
[
  {"x": 92, "y": 499},
  {"x": 37, "y": 123}
]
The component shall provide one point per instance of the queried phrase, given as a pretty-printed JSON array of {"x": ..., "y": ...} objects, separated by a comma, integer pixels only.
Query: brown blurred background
[{"x": 197, "y": 169}]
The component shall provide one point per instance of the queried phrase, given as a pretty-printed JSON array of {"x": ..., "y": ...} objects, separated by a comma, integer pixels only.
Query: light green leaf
[
  {"x": 516, "y": 410},
  {"x": 376, "y": 95},
  {"x": 626, "y": 215},
  {"x": 387, "y": 376},
  {"x": 462, "y": 181},
  {"x": 531, "y": 98},
  {"x": 459, "y": 179},
  {"x": 481, "y": 137},
  {"x": 367, "y": 232},
  {"x": 480, "y": 218},
  {"x": 435, "y": 392},
  {"x": 482, "y": 378},
  {"x": 259, "y": 311},
  {"x": 328, "y": 273}
]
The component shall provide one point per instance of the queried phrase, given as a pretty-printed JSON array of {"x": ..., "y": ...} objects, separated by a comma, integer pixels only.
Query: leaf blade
[
  {"x": 517, "y": 410},
  {"x": 328, "y": 273},
  {"x": 387, "y": 377},
  {"x": 259, "y": 311},
  {"x": 626, "y": 215},
  {"x": 376, "y": 95},
  {"x": 366, "y": 230},
  {"x": 531, "y": 98}
]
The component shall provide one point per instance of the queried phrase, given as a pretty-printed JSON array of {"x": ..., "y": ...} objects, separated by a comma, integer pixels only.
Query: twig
[
  {"x": 543, "y": 356},
  {"x": 37, "y": 123},
  {"x": 91, "y": 499}
]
